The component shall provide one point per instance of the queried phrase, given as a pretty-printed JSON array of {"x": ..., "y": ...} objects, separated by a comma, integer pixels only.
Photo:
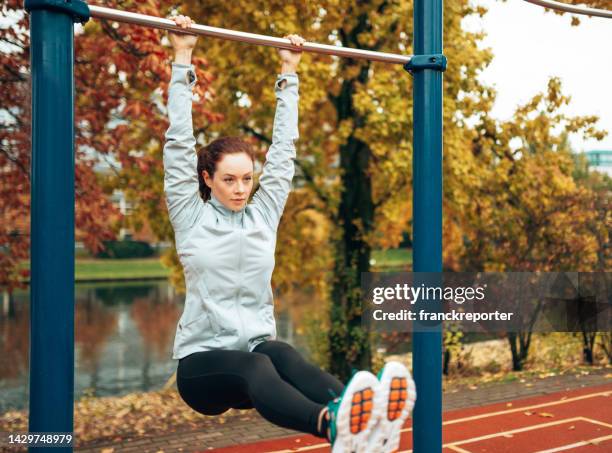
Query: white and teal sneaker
[
  {"x": 351, "y": 415},
  {"x": 395, "y": 395}
]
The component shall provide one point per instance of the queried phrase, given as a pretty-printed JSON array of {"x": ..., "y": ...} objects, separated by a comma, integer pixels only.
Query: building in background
[{"x": 600, "y": 160}]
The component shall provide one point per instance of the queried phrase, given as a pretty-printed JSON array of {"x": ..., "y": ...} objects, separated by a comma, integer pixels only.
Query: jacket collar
[{"x": 222, "y": 208}]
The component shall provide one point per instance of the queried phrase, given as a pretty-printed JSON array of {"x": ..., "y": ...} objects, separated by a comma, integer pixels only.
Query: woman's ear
[{"x": 207, "y": 179}]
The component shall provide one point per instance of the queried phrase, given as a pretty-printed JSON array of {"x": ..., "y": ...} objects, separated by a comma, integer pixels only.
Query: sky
[{"x": 531, "y": 45}]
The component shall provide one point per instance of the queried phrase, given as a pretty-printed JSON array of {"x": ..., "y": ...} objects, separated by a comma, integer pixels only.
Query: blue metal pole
[
  {"x": 427, "y": 217},
  {"x": 52, "y": 216}
]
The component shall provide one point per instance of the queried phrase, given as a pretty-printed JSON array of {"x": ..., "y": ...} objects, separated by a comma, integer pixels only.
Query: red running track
[{"x": 576, "y": 421}]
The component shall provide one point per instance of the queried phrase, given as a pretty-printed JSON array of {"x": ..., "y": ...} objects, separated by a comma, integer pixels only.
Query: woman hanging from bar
[{"x": 226, "y": 337}]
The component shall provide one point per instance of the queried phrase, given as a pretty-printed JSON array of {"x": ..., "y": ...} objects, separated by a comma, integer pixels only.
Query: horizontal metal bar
[
  {"x": 251, "y": 38},
  {"x": 572, "y": 9}
]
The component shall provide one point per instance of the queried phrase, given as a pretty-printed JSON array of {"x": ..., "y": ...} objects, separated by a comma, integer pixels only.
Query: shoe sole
[
  {"x": 396, "y": 397},
  {"x": 356, "y": 414}
]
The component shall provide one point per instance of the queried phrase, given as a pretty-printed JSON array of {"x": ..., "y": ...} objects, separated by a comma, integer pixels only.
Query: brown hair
[{"x": 211, "y": 154}]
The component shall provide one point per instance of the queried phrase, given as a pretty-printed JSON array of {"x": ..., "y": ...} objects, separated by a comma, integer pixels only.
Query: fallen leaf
[
  {"x": 545, "y": 414},
  {"x": 473, "y": 387},
  {"x": 508, "y": 404},
  {"x": 571, "y": 427},
  {"x": 546, "y": 375},
  {"x": 528, "y": 413},
  {"x": 123, "y": 412}
]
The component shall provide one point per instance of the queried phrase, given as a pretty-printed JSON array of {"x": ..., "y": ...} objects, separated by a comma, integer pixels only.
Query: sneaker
[
  {"x": 395, "y": 396},
  {"x": 351, "y": 415}
]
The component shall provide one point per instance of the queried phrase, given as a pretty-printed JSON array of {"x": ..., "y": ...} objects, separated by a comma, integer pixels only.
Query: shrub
[{"x": 126, "y": 249}]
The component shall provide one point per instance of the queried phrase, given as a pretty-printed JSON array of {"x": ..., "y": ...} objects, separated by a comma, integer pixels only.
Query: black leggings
[{"x": 274, "y": 379}]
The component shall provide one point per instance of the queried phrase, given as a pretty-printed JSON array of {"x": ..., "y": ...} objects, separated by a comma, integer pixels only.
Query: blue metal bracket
[
  {"x": 420, "y": 62},
  {"x": 78, "y": 9}
]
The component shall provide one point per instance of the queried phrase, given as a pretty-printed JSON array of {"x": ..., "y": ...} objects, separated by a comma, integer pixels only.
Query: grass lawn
[
  {"x": 109, "y": 269},
  {"x": 102, "y": 269},
  {"x": 97, "y": 269},
  {"x": 393, "y": 258}
]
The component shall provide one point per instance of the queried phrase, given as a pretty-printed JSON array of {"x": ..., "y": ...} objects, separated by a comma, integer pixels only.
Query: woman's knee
[
  {"x": 257, "y": 365},
  {"x": 197, "y": 400}
]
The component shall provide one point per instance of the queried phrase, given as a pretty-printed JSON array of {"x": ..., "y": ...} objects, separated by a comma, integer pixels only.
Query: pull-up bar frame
[
  {"x": 100, "y": 12},
  {"x": 564, "y": 7},
  {"x": 52, "y": 189}
]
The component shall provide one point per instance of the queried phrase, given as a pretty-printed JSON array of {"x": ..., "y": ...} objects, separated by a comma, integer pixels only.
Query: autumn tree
[
  {"x": 529, "y": 212},
  {"x": 93, "y": 208},
  {"x": 599, "y": 202},
  {"x": 121, "y": 78}
]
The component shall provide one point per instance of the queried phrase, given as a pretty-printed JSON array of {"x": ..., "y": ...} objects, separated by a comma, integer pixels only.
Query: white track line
[
  {"x": 597, "y": 422},
  {"x": 520, "y": 409},
  {"x": 505, "y": 433},
  {"x": 582, "y": 443},
  {"x": 522, "y": 430},
  {"x": 475, "y": 417},
  {"x": 458, "y": 449}
]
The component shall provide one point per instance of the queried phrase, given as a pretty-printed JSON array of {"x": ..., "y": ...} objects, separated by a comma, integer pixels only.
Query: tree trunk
[
  {"x": 588, "y": 342},
  {"x": 519, "y": 346},
  {"x": 349, "y": 341},
  {"x": 606, "y": 344},
  {"x": 447, "y": 357}
]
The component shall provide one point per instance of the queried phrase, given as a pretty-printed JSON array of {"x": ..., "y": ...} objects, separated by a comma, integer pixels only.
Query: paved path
[{"x": 248, "y": 426}]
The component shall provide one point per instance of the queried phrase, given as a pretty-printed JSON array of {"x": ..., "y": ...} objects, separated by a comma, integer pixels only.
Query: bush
[{"x": 126, "y": 249}]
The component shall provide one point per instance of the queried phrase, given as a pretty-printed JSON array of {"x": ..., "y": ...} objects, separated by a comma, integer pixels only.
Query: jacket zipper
[{"x": 239, "y": 279}]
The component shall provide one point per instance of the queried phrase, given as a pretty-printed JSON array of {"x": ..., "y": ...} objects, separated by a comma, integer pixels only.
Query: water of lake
[{"x": 124, "y": 334}]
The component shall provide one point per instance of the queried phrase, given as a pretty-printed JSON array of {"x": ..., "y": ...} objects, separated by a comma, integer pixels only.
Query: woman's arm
[
  {"x": 180, "y": 160},
  {"x": 279, "y": 168}
]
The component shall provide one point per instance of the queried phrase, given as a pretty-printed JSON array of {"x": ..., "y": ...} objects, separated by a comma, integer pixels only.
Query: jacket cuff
[
  {"x": 290, "y": 77},
  {"x": 182, "y": 73}
]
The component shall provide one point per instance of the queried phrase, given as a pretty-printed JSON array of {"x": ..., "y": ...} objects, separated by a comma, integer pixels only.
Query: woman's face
[{"x": 233, "y": 180}]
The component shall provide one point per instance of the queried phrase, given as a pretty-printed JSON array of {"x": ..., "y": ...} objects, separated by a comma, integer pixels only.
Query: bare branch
[
  {"x": 307, "y": 174},
  {"x": 126, "y": 47},
  {"x": 257, "y": 135},
  {"x": 13, "y": 43},
  {"x": 390, "y": 192},
  {"x": 15, "y": 161},
  {"x": 309, "y": 178},
  {"x": 19, "y": 77}
]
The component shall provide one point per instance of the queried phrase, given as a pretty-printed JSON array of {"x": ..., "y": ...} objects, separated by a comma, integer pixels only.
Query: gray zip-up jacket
[{"x": 227, "y": 256}]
